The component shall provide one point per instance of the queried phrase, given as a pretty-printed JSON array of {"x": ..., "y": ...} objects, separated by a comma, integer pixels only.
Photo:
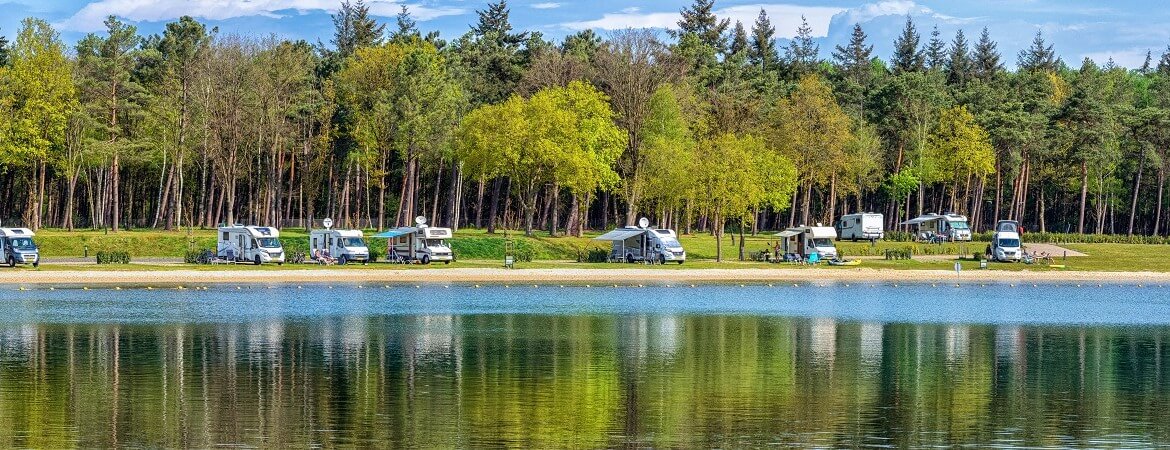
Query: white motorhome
[
  {"x": 17, "y": 247},
  {"x": 805, "y": 241},
  {"x": 644, "y": 243},
  {"x": 254, "y": 244},
  {"x": 1006, "y": 245},
  {"x": 341, "y": 245},
  {"x": 864, "y": 226},
  {"x": 419, "y": 243},
  {"x": 951, "y": 227}
]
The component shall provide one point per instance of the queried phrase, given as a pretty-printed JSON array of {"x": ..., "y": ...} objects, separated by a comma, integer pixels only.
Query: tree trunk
[
  {"x": 495, "y": 203},
  {"x": 1158, "y": 208},
  {"x": 1137, "y": 187},
  {"x": 1084, "y": 196}
]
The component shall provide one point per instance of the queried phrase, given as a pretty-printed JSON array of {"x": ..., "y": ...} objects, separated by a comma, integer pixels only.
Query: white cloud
[
  {"x": 785, "y": 17},
  {"x": 90, "y": 17},
  {"x": 546, "y": 5},
  {"x": 871, "y": 11},
  {"x": 1131, "y": 58}
]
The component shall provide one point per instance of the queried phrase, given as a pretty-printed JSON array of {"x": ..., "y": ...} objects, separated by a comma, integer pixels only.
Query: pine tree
[
  {"x": 986, "y": 59},
  {"x": 494, "y": 24},
  {"x": 1164, "y": 62},
  {"x": 354, "y": 28},
  {"x": 763, "y": 45},
  {"x": 739, "y": 41},
  {"x": 907, "y": 56},
  {"x": 407, "y": 28},
  {"x": 936, "y": 51},
  {"x": 959, "y": 64},
  {"x": 1147, "y": 65},
  {"x": 854, "y": 58},
  {"x": 1039, "y": 56},
  {"x": 699, "y": 20},
  {"x": 582, "y": 44},
  {"x": 801, "y": 54},
  {"x": 3, "y": 51}
]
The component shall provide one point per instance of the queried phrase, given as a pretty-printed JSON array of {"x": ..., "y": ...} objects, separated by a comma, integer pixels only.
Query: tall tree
[
  {"x": 406, "y": 27},
  {"x": 739, "y": 40},
  {"x": 1039, "y": 56},
  {"x": 3, "y": 51},
  {"x": 936, "y": 51},
  {"x": 959, "y": 66},
  {"x": 986, "y": 59},
  {"x": 40, "y": 97},
  {"x": 699, "y": 20},
  {"x": 908, "y": 57},
  {"x": 354, "y": 28},
  {"x": 1164, "y": 62},
  {"x": 854, "y": 62},
  {"x": 763, "y": 53},
  {"x": 801, "y": 56}
]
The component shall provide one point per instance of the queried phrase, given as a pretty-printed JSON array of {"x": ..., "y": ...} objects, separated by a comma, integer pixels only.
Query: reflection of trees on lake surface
[{"x": 581, "y": 381}]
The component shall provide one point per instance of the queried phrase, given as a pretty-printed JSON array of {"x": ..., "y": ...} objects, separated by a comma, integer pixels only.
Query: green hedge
[{"x": 115, "y": 257}]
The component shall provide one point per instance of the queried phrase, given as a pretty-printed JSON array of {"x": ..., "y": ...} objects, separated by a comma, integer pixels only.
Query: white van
[
  {"x": 420, "y": 243},
  {"x": 1006, "y": 245},
  {"x": 250, "y": 243},
  {"x": 342, "y": 245},
  {"x": 805, "y": 241},
  {"x": 951, "y": 227},
  {"x": 643, "y": 243},
  {"x": 17, "y": 247},
  {"x": 864, "y": 226}
]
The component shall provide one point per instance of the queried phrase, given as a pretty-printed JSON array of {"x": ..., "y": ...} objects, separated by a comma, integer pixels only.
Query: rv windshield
[
  {"x": 822, "y": 242},
  {"x": 268, "y": 242},
  {"x": 1009, "y": 243},
  {"x": 436, "y": 243},
  {"x": 353, "y": 242},
  {"x": 960, "y": 225},
  {"x": 22, "y": 243},
  {"x": 670, "y": 242}
]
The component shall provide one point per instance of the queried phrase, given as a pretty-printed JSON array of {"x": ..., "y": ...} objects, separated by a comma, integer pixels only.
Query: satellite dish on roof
[
  {"x": 643, "y": 222},
  {"x": 420, "y": 220},
  {"x": 328, "y": 223}
]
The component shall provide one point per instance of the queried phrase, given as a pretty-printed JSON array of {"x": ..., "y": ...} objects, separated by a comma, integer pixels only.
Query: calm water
[{"x": 835, "y": 366}]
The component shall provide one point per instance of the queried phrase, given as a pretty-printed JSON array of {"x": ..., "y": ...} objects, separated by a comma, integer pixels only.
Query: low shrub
[{"x": 115, "y": 257}]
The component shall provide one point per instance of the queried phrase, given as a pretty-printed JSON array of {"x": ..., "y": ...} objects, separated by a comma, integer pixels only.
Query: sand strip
[{"x": 565, "y": 275}]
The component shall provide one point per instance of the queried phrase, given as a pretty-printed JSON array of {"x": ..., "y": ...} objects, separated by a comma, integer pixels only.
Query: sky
[{"x": 1120, "y": 29}]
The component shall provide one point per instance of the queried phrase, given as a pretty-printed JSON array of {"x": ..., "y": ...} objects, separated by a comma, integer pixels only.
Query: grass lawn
[{"x": 476, "y": 248}]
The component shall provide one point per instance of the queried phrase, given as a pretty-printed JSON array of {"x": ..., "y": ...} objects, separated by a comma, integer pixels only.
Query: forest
[{"x": 707, "y": 126}]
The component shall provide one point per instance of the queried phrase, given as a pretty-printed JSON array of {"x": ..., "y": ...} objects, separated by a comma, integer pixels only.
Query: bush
[
  {"x": 524, "y": 252},
  {"x": 375, "y": 254},
  {"x": 104, "y": 257},
  {"x": 192, "y": 256},
  {"x": 596, "y": 255}
]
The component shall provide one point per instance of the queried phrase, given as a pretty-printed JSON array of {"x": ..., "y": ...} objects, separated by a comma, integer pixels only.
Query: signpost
[{"x": 958, "y": 269}]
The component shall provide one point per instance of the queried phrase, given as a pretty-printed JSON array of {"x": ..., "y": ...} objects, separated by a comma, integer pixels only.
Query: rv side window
[
  {"x": 225, "y": 236},
  {"x": 314, "y": 243}
]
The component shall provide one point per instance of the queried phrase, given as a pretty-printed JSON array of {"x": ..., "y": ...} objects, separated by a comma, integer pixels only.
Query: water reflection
[{"x": 580, "y": 381}]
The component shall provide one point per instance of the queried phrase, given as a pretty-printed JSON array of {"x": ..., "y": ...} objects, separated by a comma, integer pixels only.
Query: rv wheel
[
  {"x": 662, "y": 259},
  {"x": 256, "y": 260},
  {"x": 343, "y": 260},
  {"x": 11, "y": 261},
  {"x": 446, "y": 262},
  {"x": 426, "y": 259},
  {"x": 37, "y": 263},
  {"x": 629, "y": 258}
]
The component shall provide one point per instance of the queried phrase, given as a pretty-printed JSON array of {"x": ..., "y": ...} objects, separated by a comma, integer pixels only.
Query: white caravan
[
  {"x": 643, "y": 243},
  {"x": 253, "y": 244},
  {"x": 951, "y": 227},
  {"x": 342, "y": 245},
  {"x": 1006, "y": 245},
  {"x": 805, "y": 241},
  {"x": 864, "y": 226},
  {"x": 419, "y": 243},
  {"x": 17, "y": 247}
]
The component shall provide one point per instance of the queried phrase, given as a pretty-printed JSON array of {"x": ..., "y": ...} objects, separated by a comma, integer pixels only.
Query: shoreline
[{"x": 567, "y": 275}]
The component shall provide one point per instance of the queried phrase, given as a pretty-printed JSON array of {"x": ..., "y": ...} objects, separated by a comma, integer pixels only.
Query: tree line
[{"x": 711, "y": 125}]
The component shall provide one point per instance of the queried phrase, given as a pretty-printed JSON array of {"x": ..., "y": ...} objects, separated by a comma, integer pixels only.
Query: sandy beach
[{"x": 568, "y": 275}]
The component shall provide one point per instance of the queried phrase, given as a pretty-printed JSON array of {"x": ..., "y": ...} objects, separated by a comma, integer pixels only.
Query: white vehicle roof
[
  {"x": 932, "y": 217},
  {"x": 14, "y": 232},
  {"x": 253, "y": 230},
  {"x": 342, "y": 233},
  {"x": 436, "y": 232},
  {"x": 663, "y": 232},
  {"x": 1007, "y": 235},
  {"x": 868, "y": 214},
  {"x": 620, "y": 234},
  {"x": 816, "y": 232}
]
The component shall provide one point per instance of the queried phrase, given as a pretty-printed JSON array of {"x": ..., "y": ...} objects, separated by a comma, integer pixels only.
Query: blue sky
[{"x": 1122, "y": 29}]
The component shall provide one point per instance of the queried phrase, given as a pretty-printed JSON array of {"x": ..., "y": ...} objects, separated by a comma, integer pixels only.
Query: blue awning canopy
[{"x": 397, "y": 232}]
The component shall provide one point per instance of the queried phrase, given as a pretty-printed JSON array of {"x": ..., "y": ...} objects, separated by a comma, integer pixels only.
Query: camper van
[
  {"x": 644, "y": 243},
  {"x": 420, "y": 243},
  {"x": 1006, "y": 245},
  {"x": 950, "y": 227},
  {"x": 340, "y": 245},
  {"x": 865, "y": 226},
  {"x": 805, "y": 241},
  {"x": 17, "y": 247},
  {"x": 253, "y": 244}
]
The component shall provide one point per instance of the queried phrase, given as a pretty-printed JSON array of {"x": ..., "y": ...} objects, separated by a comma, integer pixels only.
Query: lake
[{"x": 553, "y": 367}]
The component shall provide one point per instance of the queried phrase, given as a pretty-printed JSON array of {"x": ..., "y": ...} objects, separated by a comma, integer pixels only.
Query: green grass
[{"x": 477, "y": 248}]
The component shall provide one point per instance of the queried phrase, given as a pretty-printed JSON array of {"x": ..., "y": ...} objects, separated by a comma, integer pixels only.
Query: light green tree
[{"x": 963, "y": 151}]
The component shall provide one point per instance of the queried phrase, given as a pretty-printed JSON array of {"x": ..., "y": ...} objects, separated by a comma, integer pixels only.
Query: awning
[
  {"x": 620, "y": 234},
  {"x": 401, "y": 231},
  {"x": 788, "y": 233},
  {"x": 920, "y": 219}
]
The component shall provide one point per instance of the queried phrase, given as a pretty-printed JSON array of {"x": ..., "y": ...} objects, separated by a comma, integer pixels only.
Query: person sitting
[{"x": 322, "y": 257}]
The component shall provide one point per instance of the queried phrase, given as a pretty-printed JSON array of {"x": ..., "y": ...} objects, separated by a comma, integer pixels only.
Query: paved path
[{"x": 1055, "y": 251}]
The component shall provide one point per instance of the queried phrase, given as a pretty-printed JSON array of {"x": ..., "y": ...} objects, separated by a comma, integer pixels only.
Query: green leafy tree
[
  {"x": 39, "y": 97},
  {"x": 963, "y": 152}
]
